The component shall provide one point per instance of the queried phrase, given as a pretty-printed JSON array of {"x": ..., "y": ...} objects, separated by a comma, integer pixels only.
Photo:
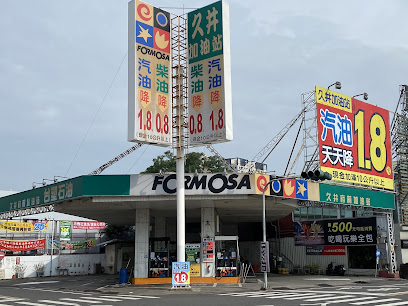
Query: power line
[{"x": 96, "y": 114}]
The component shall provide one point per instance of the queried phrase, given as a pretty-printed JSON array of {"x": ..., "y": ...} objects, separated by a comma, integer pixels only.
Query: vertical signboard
[
  {"x": 354, "y": 140},
  {"x": 65, "y": 230},
  {"x": 265, "y": 257},
  {"x": 209, "y": 75},
  {"x": 149, "y": 97}
]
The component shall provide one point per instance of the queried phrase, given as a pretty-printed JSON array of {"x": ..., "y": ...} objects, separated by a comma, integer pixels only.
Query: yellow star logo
[
  {"x": 144, "y": 33},
  {"x": 302, "y": 188}
]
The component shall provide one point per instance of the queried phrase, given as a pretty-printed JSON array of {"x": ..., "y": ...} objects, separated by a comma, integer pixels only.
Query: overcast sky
[{"x": 58, "y": 59}]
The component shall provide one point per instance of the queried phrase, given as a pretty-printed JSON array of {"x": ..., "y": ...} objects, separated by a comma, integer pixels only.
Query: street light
[
  {"x": 35, "y": 184},
  {"x": 337, "y": 83},
  {"x": 45, "y": 183},
  {"x": 365, "y": 95},
  {"x": 56, "y": 180}
]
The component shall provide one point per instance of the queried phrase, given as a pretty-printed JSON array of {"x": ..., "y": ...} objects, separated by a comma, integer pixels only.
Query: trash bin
[{"x": 123, "y": 276}]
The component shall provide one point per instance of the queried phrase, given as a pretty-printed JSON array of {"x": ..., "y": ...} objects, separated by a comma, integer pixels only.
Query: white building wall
[{"x": 81, "y": 264}]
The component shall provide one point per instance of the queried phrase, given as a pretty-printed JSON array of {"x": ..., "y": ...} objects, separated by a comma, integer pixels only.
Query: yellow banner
[
  {"x": 333, "y": 99},
  {"x": 25, "y": 227},
  {"x": 360, "y": 178}
]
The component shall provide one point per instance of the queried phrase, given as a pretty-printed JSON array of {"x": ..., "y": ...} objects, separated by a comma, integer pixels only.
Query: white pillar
[
  {"x": 181, "y": 207},
  {"x": 142, "y": 229}
]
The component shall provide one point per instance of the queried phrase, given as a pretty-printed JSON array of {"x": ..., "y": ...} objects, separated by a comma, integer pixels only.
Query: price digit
[
  {"x": 166, "y": 124},
  {"x": 158, "y": 123},
  {"x": 192, "y": 124},
  {"x": 199, "y": 123},
  {"x": 149, "y": 120},
  {"x": 140, "y": 116}
]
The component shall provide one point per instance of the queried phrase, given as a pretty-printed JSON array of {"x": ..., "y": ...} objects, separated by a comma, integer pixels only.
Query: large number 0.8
[
  {"x": 377, "y": 150},
  {"x": 196, "y": 128}
]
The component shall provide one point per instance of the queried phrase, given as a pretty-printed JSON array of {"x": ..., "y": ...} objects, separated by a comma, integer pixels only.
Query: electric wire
[
  {"x": 138, "y": 158},
  {"x": 96, "y": 114}
]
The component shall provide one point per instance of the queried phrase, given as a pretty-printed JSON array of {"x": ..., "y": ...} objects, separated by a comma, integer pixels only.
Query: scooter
[{"x": 338, "y": 270}]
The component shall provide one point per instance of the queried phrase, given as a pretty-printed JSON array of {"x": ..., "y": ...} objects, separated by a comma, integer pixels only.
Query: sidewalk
[{"x": 275, "y": 281}]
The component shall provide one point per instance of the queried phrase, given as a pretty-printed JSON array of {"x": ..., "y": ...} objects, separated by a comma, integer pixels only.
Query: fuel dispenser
[{"x": 227, "y": 255}]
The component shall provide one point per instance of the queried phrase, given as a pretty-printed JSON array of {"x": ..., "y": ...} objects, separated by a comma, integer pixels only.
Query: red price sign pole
[{"x": 181, "y": 274}]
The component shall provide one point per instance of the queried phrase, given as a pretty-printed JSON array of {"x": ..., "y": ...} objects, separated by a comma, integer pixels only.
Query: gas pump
[
  {"x": 208, "y": 260},
  {"x": 227, "y": 255}
]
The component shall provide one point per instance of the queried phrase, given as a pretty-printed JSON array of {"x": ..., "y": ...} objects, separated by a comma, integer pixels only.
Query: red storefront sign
[{"x": 88, "y": 225}]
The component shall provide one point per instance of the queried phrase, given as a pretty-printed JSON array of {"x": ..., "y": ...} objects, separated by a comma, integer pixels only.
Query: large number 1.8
[{"x": 377, "y": 150}]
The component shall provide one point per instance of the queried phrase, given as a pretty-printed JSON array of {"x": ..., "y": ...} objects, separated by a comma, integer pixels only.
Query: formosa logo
[{"x": 215, "y": 183}]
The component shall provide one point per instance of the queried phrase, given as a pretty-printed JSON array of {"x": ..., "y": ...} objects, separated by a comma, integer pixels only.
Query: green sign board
[
  {"x": 205, "y": 32},
  {"x": 65, "y": 230},
  {"x": 88, "y": 185},
  {"x": 354, "y": 196}
]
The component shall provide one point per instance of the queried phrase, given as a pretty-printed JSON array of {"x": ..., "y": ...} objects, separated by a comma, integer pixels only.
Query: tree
[
  {"x": 120, "y": 232},
  {"x": 194, "y": 161}
]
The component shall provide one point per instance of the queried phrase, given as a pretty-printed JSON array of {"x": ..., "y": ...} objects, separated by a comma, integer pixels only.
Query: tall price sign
[
  {"x": 209, "y": 75},
  {"x": 354, "y": 140},
  {"x": 149, "y": 97}
]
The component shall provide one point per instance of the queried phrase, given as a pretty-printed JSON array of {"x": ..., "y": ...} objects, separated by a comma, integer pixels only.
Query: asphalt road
[{"x": 104, "y": 291}]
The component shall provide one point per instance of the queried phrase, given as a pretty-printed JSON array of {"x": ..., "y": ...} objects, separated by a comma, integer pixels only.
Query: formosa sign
[
  {"x": 149, "y": 48},
  {"x": 354, "y": 140}
]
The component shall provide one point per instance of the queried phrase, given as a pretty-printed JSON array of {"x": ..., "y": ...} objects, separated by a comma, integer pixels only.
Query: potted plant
[
  {"x": 19, "y": 270},
  {"x": 39, "y": 269}
]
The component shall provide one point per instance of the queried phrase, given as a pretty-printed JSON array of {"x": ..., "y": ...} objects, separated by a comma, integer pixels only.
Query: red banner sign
[
  {"x": 354, "y": 140},
  {"x": 22, "y": 245},
  {"x": 88, "y": 225}
]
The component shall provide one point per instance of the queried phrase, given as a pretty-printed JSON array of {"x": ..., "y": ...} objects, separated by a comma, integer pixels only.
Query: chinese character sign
[
  {"x": 27, "y": 227},
  {"x": 350, "y": 231},
  {"x": 88, "y": 225},
  {"x": 209, "y": 75},
  {"x": 354, "y": 140},
  {"x": 22, "y": 245},
  {"x": 149, "y": 105},
  {"x": 181, "y": 274}
]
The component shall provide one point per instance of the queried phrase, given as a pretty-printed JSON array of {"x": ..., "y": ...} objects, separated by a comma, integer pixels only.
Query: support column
[
  {"x": 142, "y": 229},
  {"x": 208, "y": 230}
]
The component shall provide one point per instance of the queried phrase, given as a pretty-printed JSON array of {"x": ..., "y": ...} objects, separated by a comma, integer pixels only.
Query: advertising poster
[
  {"x": 354, "y": 140},
  {"x": 22, "y": 245},
  {"x": 209, "y": 75},
  {"x": 26, "y": 227},
  {"x": 357, "y": 231},
  {"x": 150, "y": 75},
  {"x": 308, "y": 233},
  {"x": 65, "y": 230},
  {"x": 181, "y": 274},
  {"x": 88, "y": 225}
]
